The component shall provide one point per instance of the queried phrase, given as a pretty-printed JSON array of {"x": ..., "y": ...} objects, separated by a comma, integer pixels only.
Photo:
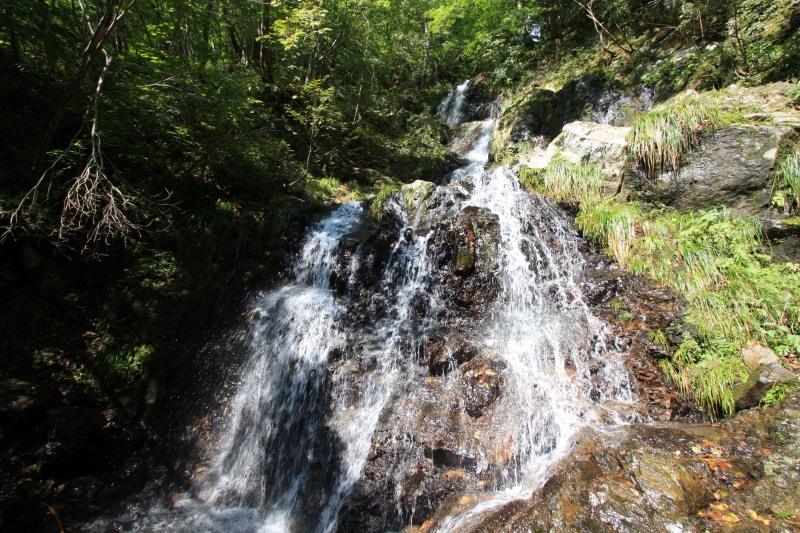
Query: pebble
[{"x": 780, "y": 483}]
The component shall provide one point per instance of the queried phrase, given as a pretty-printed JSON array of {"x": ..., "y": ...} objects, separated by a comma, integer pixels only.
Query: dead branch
[
  {"x": 93, "y": 202},
  {"x": 601, "y": 29}
]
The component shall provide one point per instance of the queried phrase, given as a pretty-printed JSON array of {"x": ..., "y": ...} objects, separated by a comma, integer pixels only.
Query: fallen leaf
[
  {"x": 725, "y": 517},
  {"x": 754, "y": 516}
]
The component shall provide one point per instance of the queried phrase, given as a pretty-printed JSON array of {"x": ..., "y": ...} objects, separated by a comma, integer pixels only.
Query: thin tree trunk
[
  {"x": 601, "y": 29},
  {"x": 112, "y": 14}
]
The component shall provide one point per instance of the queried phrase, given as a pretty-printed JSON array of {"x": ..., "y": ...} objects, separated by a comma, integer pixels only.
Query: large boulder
[
  {"x": 415, "y": 195},
  {"x": 603, "y": 145},
  {"x": 755, "y": 354},
  {"x": 732, "y": 166}
]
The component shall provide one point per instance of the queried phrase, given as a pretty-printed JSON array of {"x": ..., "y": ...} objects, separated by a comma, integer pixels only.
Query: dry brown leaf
[{"x": 754, "y": 516}]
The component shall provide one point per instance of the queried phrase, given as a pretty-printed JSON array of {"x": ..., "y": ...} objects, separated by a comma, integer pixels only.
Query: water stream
[{"x": 318, "y": 381}]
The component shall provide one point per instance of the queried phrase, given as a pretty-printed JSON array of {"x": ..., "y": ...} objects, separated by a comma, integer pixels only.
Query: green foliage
[
  {"x": 611, "y": 223},
  {"x": 568, "y": 181},
  {"x": 733, "y": 292},
  {"x": 786, "y": 187},
  {"x": 794, "y": 94},
  {"x": 775, "y": 396},
  {"x": 383, "y": 195},
  {"x": 660, "y": 138},
  {"x": 142, "y": 305},
  {"x": 708, "y": 372},
  {"x": 671, "y": 77}
]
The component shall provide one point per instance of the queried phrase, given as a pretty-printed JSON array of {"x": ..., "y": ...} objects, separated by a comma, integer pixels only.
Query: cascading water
[
  {"x": 333, "y": 384},
  {"x": 452, "y": 107}
]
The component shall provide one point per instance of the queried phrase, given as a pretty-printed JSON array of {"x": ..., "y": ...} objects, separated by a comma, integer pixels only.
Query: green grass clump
[
  {"x": 708, "y": 371},
  {"x": 381, "y": 197},
  {"x": 572, "y": 182},
  {"x": 775, "y": 396},
  {"x": 733, "y": 292},
  {"x": 794, "y": 94},
  {"x": 611, "y": 223},
  {"x": 786, "y": 188},
  {"x": 659, "y": 139}
]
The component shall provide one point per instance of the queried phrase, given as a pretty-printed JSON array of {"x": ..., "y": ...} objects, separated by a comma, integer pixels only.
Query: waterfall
[
  {"x": 452, "y": 107},
  {"x": 329, "y": 366}
]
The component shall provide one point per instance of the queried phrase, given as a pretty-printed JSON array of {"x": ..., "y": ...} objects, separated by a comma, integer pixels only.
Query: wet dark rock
[
  {"x": 466, "y": 135},
  {"x": 732, "y": 166},
  {"x": 480, "y": 99},
  {"x": 22, "y": 401},
  {"x": 443, "y": 355},
  {"x": 759, "y": 382},
  {"x": 786, "y": 249},
  {"x": 469, "y": 250},
  {"x": 640, "y": 311},
  {"x": 77, "y": 442},
  {"x": 636, "y": 481},
  {"x": 19, "y": 512},
  {"x": 482, "y": 384},
  {"x": 118, "y": 526},
  {"x": 739, "y": 476},
  {"x": 428, "y": 446},
  {"x": 373, "y": 255}
]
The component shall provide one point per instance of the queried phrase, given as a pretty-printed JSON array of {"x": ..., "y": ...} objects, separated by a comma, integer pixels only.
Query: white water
[
  {"x": 296, "y": 445},
  {"x": 452, "y": 107},
  {"x": 562, "y": 371}
]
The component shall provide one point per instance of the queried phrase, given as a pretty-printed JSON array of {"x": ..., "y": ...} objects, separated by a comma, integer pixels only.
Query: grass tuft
[
  {"x": 659, "y": 139},
  {"x": 611, "y": 223},
  {"x": 786, "y": 187},
  {"x": 381, "y": 197}
]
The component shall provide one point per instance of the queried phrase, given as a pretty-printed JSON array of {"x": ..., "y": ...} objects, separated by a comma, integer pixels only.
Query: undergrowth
[
  {"x": 714, "y": 259},
  {"x": 567, "y": 181},
  {"x": 381, "y": 198},
  {"x": 734, "y": 293}
]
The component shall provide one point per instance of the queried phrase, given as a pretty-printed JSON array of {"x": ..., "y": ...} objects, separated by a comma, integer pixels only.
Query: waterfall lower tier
[{"x": 447, "y": 349}]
